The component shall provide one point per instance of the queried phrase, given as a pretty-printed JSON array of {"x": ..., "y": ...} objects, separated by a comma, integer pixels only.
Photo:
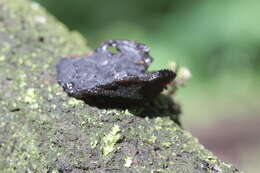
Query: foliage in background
[{"x": 210, "y": 37}]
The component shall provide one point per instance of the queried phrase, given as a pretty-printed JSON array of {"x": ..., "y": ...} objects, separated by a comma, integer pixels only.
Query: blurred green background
[{"x": 219, "y": 41}]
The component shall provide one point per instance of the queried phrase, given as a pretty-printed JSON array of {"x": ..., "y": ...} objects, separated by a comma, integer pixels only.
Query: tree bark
[{"x": 44, "y": 130}]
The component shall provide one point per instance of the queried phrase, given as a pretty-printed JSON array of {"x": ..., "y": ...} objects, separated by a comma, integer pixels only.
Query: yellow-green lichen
[
  {"x": 167, "y": 144},
  {"x": 152, "y": 139},
  {"x": 54, "y": 171},
  {"x": 74, "y": 102},
  {"x": 126, "y": 112},
  {"x": 25, "y": 156},
  {"x": 128, "y": 162},
  {"x": 158, "y": 122},
  {"x": 111, "y": 139},
  {"x": 94, "y": 143},
  {"x": 22, "y": 80},
  {"x": 2, "y": 58},
  {"x": 30, "y": 96},
  {"x": 83, "y": 123}
]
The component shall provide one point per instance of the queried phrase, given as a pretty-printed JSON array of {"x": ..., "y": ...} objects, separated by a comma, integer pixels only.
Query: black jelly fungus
[{"x": 105, "y": 78}]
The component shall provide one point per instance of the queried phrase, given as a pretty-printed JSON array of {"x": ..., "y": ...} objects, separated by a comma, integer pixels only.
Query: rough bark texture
[{"x": 44, "y": 130}]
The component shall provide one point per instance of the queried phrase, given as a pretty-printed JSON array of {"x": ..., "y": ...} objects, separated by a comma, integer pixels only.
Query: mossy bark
[{"x": 44, "y": 130}]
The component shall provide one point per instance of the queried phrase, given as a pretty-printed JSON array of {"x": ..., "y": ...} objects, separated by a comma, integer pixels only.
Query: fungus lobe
[{"x": 105, "y": 78}]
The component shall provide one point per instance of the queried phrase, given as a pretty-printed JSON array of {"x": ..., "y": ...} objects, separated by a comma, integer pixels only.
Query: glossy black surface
[{"x": 108, "y": 78}]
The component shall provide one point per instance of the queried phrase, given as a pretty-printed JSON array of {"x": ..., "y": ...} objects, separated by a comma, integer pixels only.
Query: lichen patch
[{"x": 111, "y": 139}]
